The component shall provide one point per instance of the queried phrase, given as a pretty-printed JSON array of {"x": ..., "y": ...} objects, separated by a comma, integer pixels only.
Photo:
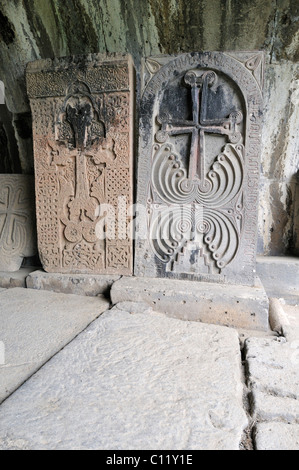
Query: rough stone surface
[
  {"x": 284, "y": 319},
  {"x": 16, "y": 279},
  {"x": 237, "y": 306},
  {"x": 296, "y": 217},
  {"x": 133, "y": 381},
  {"x": 199, "y": 166},
  {"x": 270, "y": 408},
  {"x": 277, "y": 436},
  {"x": 291, "y": 327},
  {"x": 273, "y": 377},
  {"x": 78, "y": 284},
  {"x": 17, "y": 221},
  {"x": 280, "y": 276},
  {"x": 34, "y": 325},
  {"x": 82, "y": 110}
]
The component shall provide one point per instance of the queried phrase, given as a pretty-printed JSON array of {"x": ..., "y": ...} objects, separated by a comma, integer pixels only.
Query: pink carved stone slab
[
  {"x": 17, "y": 221},
  {"x": 199, "y": 166},
  {"x": 82, "y": 111}
]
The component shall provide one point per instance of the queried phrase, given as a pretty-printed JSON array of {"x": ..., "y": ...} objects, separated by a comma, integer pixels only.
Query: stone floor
[{"x": 77, "y": 374}]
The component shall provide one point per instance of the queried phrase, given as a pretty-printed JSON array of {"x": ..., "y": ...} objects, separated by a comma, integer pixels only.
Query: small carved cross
[
  {"x": 200, "y": 125},
  {"x": 12, "y": 208}
]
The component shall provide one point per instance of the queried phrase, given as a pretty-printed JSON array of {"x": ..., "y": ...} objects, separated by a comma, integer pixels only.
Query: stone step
[{"x": 227, "y": 305}]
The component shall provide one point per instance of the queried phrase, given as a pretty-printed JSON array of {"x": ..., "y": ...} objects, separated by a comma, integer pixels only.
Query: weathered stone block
[
  {"x": 296, "y": 218},
  {"x": 276, "y": 436},
  {"x": 82, "y": 111},
  {"x": 78, "y": 284},
  {"x": 238, "y": 306},
  {"x": 199, "y": 166},
  {"x": 17, "y": 221},
  {"x": 16, "y": 279}
]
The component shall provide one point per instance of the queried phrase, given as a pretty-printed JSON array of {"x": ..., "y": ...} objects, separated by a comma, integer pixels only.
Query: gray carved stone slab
[
  {"x": 199, "y": 165},
  {"x": 17, "y": 221}
]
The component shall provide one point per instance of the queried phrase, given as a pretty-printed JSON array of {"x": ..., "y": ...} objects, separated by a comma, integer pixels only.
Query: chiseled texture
[
  {"x": 237, "y": 306},
  {"x": 277, "y": 436},
  {"x": 133, "y": 381},
  {"x": 35, "y": 325},
  {"x": 273, "y": 376}
]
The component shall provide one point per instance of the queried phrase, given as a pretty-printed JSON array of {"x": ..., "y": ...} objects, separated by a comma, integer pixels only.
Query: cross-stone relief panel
[
  {"x": 82, "y": 111},
  {"x": 17, "y": 221},
  {"x": 199, "y": 165}
]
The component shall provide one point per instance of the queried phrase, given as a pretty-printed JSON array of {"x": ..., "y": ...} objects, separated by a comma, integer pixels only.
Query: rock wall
[{"x": 32, "y": 29}]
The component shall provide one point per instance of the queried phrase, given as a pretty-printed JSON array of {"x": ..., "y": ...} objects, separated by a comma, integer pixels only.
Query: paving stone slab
[
  {"x": 133, "y": 381},
  {"x": 237, "y": 306},
  {"x": 273, "y": 366},
  {"x": 193, "y": 191},
  {"x": 34, "y": 325},
  {"x": 78, "y": 284},
  {"x": 15, "y": 279},
  {"x": 277, "y": 436},
  {"x": 273, "y": 376},
  {"x": 17, "y": 224}
]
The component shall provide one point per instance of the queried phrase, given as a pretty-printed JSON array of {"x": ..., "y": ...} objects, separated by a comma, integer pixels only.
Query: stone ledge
[
  {"x": 78, "y": 284},
  {"x": 280, "y": 276},
  {"x": 229, "y": 305},
  {"x": 10, "y": 280}
]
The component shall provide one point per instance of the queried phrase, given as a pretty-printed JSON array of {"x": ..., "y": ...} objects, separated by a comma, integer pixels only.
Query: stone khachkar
[
  {"x": 199, "y": 165},
  {"x": 82, "y": 111},
  {"x": 17, "y": 221}
]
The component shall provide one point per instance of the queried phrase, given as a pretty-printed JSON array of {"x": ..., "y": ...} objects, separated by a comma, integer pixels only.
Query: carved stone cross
[
  {"x": 12, "y": 209},
  {"x": 200, "y": 125}
]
